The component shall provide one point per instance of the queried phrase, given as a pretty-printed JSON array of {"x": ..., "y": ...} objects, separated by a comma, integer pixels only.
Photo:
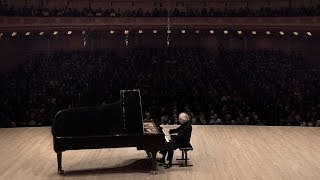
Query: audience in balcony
[{"x": 161, "y": 12}]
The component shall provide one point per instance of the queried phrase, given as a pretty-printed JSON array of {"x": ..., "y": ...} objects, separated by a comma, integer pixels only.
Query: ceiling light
[
  {"x": 295, "y": 33},
  {"x": 268, "y": 32},
  {"x": 112, "y": 32},
  {"x": 126, "y": 32},
  {"x": 183, "y": 31},
  {"x": 28, "y": 33},
  {"x": 197, "y": 31},
  {"x": 281, "y": 33},
  {"x": 83, "y": 32},
  {"x": 211, "y": 31},
  {"x": 14, "y": 34},
  {"x": 55, "y": 33},
  {"x": 254, "y": 32},
  {"x": 41, "y": 33},
  {"x": 155, "y": 31},
  {"x": 168, "y": 31},
  {"x": 140, "y": 31},
  {"x": 239, "y": 32},
  {"x": 69, "y": 32},
  {"x": 309, "y": 33}
]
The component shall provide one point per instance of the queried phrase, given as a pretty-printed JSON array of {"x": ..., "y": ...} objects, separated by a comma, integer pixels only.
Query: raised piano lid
[
  {"x": 120, "y": 118},
  {"x": 131, "y": 111},
  {"x": 88, "y": 121}
]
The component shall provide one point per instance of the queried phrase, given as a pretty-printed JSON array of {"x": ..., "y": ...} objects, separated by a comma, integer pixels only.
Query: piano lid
[
  {"x": 118, "y": 118},
  {"x": 131, "y": 111}
]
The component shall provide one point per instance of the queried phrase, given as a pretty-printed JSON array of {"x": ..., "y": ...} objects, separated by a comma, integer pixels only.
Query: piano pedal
[
  {"x": 149, "y": 154},
  {"x": 162, "y": 164}
]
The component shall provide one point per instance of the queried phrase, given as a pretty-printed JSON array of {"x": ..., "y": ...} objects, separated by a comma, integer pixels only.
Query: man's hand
[{"x": 166, "y": 130}]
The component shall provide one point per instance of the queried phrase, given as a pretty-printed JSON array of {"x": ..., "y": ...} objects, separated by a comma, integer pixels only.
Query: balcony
[{"x": 34, "y": 23}]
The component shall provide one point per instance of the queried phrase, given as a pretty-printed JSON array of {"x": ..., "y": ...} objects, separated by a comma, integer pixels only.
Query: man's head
[
  {"x": 147, "y": 114},
  {"x": 183, "y": 117},
  {"x": 163, "y": 120}
]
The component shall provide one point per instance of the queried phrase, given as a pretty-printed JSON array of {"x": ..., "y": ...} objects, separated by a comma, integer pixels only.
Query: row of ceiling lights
[
  {"x": 212, "y": 32},
  {"x": 168, "y": 31}
]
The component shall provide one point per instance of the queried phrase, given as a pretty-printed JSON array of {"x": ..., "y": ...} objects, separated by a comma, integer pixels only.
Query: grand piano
[{"x": 115, "y": 125}]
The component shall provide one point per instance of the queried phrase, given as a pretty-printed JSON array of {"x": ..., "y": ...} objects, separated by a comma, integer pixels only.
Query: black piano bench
[{"x": 184, "y": 157}]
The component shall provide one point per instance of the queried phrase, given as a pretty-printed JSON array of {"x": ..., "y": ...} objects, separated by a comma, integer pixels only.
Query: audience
[
  {"x": 33, "y": 94},
  {"x": 284, "y": 88},
  {"x": 5, "y": 10},
  {"x": 178, "y": 79}
]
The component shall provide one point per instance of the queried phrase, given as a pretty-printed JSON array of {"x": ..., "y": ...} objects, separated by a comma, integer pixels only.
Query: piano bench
[{"x": 184, "y": 153}]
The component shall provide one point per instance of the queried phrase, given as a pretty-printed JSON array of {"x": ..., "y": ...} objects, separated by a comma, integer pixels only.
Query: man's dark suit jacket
[{"x": 184, "y": 134}]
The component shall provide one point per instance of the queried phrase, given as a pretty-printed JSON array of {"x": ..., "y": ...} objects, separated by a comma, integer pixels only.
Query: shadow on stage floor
[{"x": 131, "y": 166}]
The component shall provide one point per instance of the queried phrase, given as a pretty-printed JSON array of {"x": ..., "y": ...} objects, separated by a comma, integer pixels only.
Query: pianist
[{"x": 182, "y": 138}]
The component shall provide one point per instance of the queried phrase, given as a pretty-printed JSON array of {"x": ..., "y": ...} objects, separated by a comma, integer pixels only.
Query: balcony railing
[{"x": 9, "y": 23}]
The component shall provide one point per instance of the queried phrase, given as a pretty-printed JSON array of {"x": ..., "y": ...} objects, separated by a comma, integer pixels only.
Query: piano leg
[
  {"x": 59, "y": 157},
  {"x": 154, "y": 162}
]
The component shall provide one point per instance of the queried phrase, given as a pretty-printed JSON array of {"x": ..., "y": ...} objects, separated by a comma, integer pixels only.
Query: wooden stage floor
[{"x": 220, "y": 152}]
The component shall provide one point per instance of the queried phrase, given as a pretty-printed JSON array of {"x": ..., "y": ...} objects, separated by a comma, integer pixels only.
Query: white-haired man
[{"x": 182, "y": 138}]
